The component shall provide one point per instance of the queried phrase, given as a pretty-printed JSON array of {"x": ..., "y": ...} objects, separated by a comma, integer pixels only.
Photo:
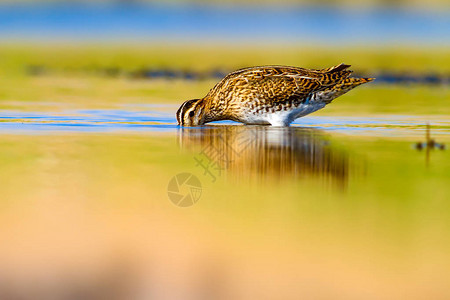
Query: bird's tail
[
  {"x": 334, "y": 75},
  {"x": 337, "y": 68},
  {"x": 341, "y": 88}
]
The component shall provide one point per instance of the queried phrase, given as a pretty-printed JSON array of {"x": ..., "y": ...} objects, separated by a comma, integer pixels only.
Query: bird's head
[{"x": 191, "y": 113}]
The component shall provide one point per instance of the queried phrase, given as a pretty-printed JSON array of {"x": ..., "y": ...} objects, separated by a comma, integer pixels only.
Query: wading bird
[{"x": 269, "y": 95}]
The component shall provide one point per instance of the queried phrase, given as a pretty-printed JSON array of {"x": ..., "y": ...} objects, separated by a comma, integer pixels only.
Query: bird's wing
[
  {"x": 276, "y": 84},
  {"x": 279, "y": 84},
  {"x": 281, "y": 88}
]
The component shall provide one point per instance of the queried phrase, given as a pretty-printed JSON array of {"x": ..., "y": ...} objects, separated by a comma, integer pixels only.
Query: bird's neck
[{"x": 214, "y": 111}]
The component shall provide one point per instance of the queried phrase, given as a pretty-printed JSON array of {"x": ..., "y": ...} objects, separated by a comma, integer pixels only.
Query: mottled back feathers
[{"x": 276, "y": 83}]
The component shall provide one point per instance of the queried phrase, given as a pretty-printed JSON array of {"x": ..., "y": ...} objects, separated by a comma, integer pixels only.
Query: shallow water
[
  {"x": 122, "y": 200},
  {"x": 160, "y": 117}
]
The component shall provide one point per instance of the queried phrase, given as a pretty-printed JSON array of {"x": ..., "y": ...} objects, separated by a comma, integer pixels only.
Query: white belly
[{"x": 282, "y": 117}]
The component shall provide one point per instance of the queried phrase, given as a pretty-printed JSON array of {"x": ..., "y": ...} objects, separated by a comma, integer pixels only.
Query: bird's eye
[{"x": 191, "y": 113}]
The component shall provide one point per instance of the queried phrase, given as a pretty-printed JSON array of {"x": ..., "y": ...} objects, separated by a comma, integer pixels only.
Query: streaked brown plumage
[{"x": 275, "y": 95}]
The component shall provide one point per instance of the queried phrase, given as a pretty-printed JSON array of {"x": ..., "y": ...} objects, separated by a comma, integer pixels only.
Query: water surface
[
  {"x": 342, "y": 202},
  {"x": 161, "y": 117}
]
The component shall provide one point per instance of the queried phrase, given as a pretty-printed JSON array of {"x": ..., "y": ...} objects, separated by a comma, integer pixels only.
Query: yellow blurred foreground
[{"x": 87, "y": 216}]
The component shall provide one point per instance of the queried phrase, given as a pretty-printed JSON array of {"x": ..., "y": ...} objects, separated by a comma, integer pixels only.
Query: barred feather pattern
[{"x": 256, "y": 95}]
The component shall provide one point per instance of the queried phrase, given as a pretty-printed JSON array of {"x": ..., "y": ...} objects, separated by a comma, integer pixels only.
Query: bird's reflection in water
[{"x": 264, "y": 152}]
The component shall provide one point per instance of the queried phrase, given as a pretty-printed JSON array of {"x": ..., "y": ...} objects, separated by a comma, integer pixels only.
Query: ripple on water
[{"x": 161, "y": 118}]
